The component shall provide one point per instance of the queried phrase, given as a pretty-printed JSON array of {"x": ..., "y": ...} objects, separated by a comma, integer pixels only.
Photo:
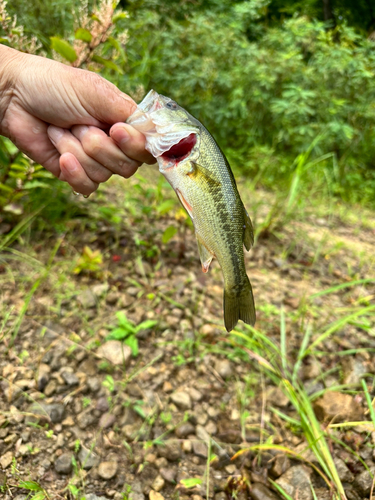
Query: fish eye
[{"x": 171, "y": 105}]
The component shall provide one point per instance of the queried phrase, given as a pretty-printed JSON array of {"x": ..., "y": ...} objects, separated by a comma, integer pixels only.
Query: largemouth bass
[{"x": 194, "y": 165}]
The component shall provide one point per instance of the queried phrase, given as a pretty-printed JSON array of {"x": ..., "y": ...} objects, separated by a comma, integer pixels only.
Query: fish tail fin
[{"x": 239, "y": 305}]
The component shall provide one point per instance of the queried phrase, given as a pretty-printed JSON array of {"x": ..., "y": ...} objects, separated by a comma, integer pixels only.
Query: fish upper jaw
[{"x": 162, "y": 127}]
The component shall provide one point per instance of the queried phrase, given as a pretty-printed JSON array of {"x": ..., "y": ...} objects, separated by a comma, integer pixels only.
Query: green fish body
[{"x": 192, "y": 162}]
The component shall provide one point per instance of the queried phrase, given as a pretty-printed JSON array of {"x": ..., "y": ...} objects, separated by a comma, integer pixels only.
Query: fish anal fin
[
  {"x": 248, "y": 235},
  {"x": 185, "y": 204},
  {"x": 205, "y": 255}
]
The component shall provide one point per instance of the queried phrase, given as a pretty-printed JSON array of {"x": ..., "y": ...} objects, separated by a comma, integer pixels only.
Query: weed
[{"x": 127, "y": 332}]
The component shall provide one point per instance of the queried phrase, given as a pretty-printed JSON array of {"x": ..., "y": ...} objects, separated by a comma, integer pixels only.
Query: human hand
[{"x": 57, "y": 115}]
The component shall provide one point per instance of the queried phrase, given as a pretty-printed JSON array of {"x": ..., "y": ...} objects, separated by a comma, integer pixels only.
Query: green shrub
[{"x": 265, "y": 89}]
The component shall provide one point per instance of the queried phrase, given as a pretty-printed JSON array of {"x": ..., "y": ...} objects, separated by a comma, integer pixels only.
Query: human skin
[{"x": 59, "y": 116}]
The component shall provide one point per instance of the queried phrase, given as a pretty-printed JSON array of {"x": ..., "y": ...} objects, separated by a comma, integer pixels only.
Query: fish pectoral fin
[
  {"x": 205, "y": 255},
  {"x": 248, "y": 235},
  {"x": 198, "y": 170},
  {"x": 185, "y": 204}
]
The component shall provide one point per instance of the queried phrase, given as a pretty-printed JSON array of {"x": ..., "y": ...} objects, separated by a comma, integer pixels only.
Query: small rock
[
  {"x": 363, "y": 481},
  {"x": 260, "y": 492},
  {"x": 86, "y": 418},
  {"x": 184, "y": 430},
  {"x": 311, "y": 370},
  {"x": 158, "y": 483},
  {"x": 107, "y": 470},
  {"x": 168, "y": 474},
  {"x": 115, "y": 352},
  {"x": 106, "y": 420},
  {"x": 70, "y": 378},
  {"x": 102, "y": 404},
  {"x": 280, "y": 465},
  {"x": 43, "y": 376},
  {"x": 202, "y": 434},
  {"x": 87, "y": 458},
  {"x": 24, "y": 449},
  {"x": 100, "y": 289},
  {"x": 68, "y": 422},
  {"x": 171, "y": 450},
  {"x": 211, "y": 428},
  {"x": 182, "y": 400},
  {"x": 50, "y": 388},
  {"x": 135, "y": 495},
  {"x": 296, "y": 482},
  {"x": 112, "y": 298},
  {"x": 220, "y": 496},
  {"x": 93, "y": 383},
  {"x": 353, "y": 370},
  {"x": 154, "y": 495},
  {"x": 55, "y": 412},
  {"x": 92, "y": 496},
  {"x": 224, "y": 368},
  {"x": 6, "y": 459},
  {"x": 87, "y": 299},
  {"x": 343, "y": 471},
  {"x": 276, "y": 397},
  {"x": 63, "y": 464},
  {"x": 167, "y": 386},
  {"x": 200, "y": 449},
  {"x": 195, "y": 394},
  {"x": 338, "y": 407}
]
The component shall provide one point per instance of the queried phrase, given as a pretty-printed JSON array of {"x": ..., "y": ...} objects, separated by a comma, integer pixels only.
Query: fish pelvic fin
[
  {"x": 248, "y": 236},
  {"x": 239, "y": 305},
  {"x": 205, "y": 255}
]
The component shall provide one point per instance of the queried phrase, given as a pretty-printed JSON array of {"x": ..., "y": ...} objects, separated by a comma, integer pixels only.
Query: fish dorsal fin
[
  {"x": 205, "y": 255},
  {"x": 198, "y": 170},
  {"x": 248, "y": 235}
]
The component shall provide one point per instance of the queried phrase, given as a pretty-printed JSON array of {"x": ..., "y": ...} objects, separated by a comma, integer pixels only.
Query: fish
[{"x": 198, "y": 171}]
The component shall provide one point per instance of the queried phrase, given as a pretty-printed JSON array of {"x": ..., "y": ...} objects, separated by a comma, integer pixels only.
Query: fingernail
[
  {"x": 120, "y": 135},
  {"x": 80, "y": 131},
  {"x": 55, "y": 134}
]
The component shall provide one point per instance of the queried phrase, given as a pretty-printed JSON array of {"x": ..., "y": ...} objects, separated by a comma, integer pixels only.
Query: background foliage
[{"x": 270, "y": 79}]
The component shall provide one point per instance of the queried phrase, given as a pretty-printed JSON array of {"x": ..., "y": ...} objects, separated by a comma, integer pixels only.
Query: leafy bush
[{"x": 265, "y": 93}]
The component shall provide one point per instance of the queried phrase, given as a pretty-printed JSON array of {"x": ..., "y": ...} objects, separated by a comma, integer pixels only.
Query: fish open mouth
[{"x": 181, "y": 150}]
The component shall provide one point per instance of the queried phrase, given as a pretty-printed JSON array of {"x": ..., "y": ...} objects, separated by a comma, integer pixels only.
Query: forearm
[{"x": 10, "y": 63}]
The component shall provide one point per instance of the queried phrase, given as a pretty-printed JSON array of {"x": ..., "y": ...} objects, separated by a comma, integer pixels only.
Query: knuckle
[{"x": 93, "y": 144}]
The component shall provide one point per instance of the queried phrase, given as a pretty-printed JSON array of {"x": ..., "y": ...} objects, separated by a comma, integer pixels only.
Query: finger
[
  {"x": 131, "y": 142},
  {"x": 73, "y": 173},
  {"x": 65, "y": 142},
  {"x": 29, "y": 134},
  {"x": 104, "y": 150}
]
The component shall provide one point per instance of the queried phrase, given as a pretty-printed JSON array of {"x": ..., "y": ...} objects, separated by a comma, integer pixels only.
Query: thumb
[{"x": 101, "y": 99}]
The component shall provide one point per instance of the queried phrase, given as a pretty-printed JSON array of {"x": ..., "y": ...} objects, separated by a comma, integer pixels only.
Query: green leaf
[
  {"x": 168, "y": 234},
  {"x": 118, "y": 334},
  {"x": 166, "y": 206},
  {"x": 121, "y": 15},
  {"x": 149, "y": 323},
  {"x": 132, "y": 342},
  {"x": 83, "y": 34},
  {"x": 107, "y": 63},
  {"x": 36, "y": 184},
  {"x": 63, "y": 48},
  {"x": 191, "y": 482},
  {"x": 30, "y": 485},
  {"x": 39, "y": 496}
]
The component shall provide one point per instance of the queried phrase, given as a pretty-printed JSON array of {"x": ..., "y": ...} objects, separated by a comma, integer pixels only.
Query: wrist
[{"x": 10, "y": 61}]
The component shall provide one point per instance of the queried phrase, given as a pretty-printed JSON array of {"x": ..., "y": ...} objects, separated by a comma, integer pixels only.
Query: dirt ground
[{"x": 82, "y": 416}]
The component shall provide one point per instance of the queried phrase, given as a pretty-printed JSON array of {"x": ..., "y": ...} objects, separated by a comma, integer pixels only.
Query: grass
[{"x": 284, "y": 338}]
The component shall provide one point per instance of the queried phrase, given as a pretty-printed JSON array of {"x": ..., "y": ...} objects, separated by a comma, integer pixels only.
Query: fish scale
[{"x": 205, "y": 185}]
